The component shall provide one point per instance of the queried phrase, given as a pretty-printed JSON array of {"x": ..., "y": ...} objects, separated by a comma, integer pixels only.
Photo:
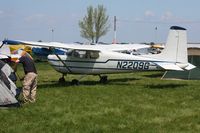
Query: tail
[
  {"x": 176, "y": 46},
  {"x": 176, "y": 49}
]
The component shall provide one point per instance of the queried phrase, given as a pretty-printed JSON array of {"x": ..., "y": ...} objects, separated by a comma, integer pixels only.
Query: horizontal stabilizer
[
  {"x": 169, "y": 66},
  {"x": 189, "y": 67}
]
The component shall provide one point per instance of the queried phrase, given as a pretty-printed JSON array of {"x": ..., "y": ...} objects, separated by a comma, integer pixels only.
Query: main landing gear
[
  {"x": 73, "y": 82},
  {"x": 103, "y": 79}
]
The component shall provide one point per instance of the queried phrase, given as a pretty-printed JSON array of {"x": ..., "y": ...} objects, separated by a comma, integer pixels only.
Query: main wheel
[{"x": 103, "y": 79}]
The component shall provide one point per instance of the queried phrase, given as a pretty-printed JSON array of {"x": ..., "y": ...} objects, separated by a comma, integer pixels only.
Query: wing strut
[{"x": 63, "y": 63}]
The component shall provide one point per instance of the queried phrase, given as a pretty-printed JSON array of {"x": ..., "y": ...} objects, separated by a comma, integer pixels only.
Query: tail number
[{"x": 138, "y": 65}]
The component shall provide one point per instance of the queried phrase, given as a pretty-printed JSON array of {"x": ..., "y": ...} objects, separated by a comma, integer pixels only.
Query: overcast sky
[{"x": 137, "y": 20}]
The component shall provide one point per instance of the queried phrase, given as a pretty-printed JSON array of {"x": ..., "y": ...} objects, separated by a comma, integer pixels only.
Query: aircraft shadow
[
  {"x": 118, "y": 81},
  {"x": 156, "y": 75},
  {"x": 53, "y": 84},
  {"x": 121, "y": 81},
  {"x": 165, "y": 86}
]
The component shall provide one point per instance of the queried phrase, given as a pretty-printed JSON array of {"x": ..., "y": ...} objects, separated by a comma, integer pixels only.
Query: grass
[{"x": 132, "y": 102}]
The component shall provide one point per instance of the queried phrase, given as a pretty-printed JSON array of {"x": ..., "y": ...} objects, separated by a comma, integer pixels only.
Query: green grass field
[{"x": 131, "y": 102}]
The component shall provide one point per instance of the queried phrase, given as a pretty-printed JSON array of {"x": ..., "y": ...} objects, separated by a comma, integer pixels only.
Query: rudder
[{"x": 176, "y": 46}]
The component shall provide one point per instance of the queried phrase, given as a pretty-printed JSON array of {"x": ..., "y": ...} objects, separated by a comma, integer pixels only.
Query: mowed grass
[{"x": 131, "y": 102}]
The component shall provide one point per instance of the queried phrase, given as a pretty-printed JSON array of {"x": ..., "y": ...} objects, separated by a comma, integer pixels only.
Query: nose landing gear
[{"x": 62, "y": 79}]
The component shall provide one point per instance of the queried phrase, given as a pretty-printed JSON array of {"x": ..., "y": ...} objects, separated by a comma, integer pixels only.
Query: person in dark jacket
[{"x": 30, "y": 78}]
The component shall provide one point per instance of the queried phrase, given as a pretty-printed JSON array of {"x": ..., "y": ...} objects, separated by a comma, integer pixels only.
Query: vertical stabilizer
[{"x": 176, "y": 46}]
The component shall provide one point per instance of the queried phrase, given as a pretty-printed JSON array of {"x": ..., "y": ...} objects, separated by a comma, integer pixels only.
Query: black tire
[{"x": 104, "y": 79}]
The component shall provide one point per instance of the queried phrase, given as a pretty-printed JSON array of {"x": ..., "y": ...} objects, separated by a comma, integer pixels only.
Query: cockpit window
[{"x": 84, "y": 54}]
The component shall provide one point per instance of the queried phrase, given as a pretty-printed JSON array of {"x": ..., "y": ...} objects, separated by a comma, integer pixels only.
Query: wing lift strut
[{"x": 62, "y": 79}]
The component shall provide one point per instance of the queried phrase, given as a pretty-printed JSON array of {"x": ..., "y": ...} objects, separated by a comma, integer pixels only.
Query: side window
[
  {"x": 84, "y": 54},
  {"x": 94, "y": 54},
  {"x": 76, "y": 54},
  {"x": 81, "y": 53}
]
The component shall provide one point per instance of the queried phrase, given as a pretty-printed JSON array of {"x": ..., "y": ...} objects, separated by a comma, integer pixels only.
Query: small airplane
[{"x": 105, "y": 59}]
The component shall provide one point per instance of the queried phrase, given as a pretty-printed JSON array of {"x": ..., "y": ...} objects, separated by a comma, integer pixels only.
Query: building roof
[{"x": 193, "y": 45}]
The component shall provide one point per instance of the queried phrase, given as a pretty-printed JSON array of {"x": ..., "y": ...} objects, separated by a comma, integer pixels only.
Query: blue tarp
[{"x": 46, "y": 52}]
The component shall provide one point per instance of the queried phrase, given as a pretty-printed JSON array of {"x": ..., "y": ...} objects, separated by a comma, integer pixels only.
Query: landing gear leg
[
  {"x": 62, "y": 79},
  {"x": 103, "y": 79}
]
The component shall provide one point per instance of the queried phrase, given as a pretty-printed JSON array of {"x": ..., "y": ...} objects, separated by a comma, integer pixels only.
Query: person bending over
[{"x": 30, "y": 77}]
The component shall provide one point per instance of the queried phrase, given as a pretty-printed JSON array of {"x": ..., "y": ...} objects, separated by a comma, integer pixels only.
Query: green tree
[{"x": 95, "y": 24}]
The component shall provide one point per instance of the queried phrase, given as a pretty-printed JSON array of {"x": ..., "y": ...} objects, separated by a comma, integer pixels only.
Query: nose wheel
[{"x": 62, "y": 79}]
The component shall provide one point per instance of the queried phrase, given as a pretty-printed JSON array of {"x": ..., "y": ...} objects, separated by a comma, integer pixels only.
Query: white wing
[{"x": 97, "y": 47}]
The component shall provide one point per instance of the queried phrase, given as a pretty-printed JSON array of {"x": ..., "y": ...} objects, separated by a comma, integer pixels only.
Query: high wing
[
  {"x": 97, "y": 47},
  {"x": 40, "y": 44}
]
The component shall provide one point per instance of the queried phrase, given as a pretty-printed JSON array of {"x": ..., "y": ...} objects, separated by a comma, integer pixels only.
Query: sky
[{"x": 137, "y": 20}]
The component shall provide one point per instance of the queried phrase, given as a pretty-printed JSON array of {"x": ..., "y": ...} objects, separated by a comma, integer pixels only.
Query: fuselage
[{"x": 101, "y": 63}]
